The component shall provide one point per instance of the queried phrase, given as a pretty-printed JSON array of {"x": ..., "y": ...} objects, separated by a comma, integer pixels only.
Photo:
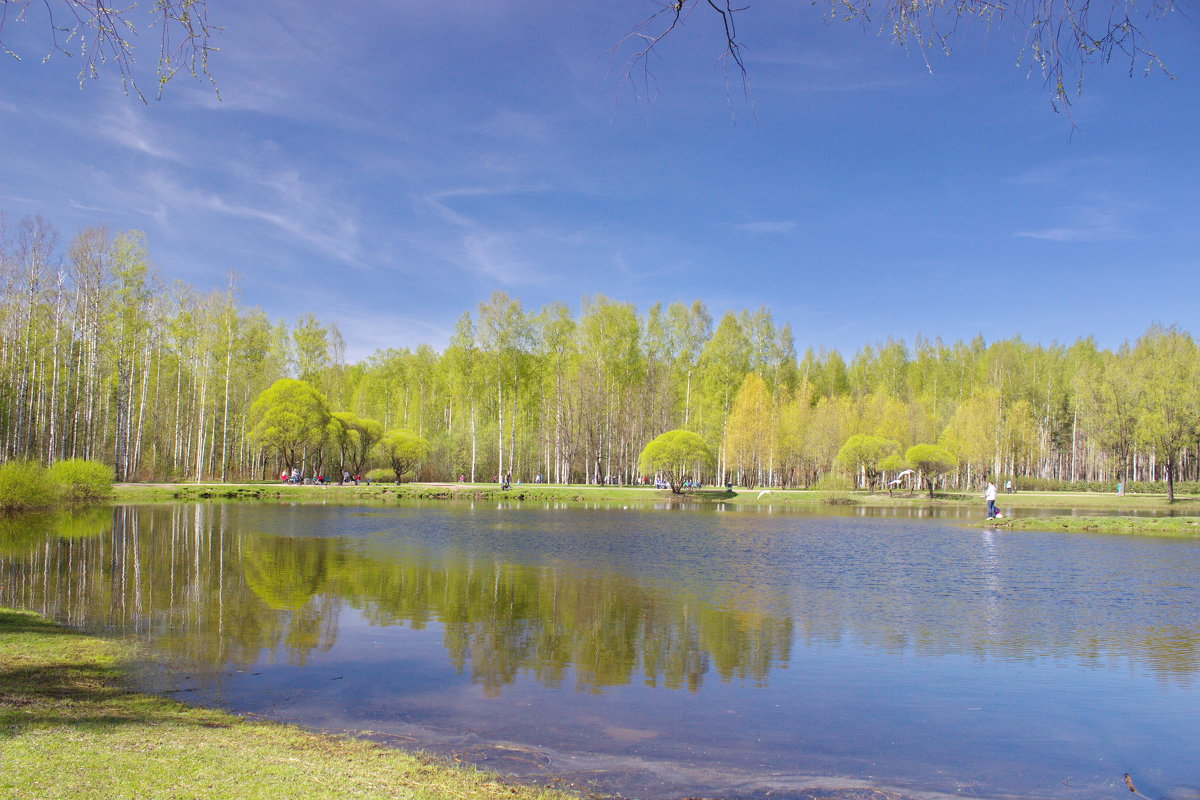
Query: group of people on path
[{"x": 318, "y": 479}]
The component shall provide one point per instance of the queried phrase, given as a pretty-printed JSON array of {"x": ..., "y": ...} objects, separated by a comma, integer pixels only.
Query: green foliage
[
  {"x": 186, "y": 385},
  {"x": 748, "y": 432},
  {"x": 1034, "y": 483},
  {"x": 25, "y": 486},
  {"x": 864, "y": 452},
  {"x": 355, "y": 438},
  {"x": 677, "y": 454},
  {"x": 931, "y": 461},
  {"x": 404, "y": 450},
  {"x": 290, "y": 418},
  {"x": 381, "y": 475},
  {"x": 28, "y": 486},
  {"x": 834, "y": 489},
  {"x": 79, "y": 480},
  {"x": 971, "y": 432},
  {"x": 1168, "y": 396}
]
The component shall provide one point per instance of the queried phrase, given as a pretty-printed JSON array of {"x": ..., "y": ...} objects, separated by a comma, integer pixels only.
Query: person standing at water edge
[{"x": 990, "y": 496}]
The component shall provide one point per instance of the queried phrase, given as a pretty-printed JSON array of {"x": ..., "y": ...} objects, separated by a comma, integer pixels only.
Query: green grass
[
  {"x": 387, "y": 493},
  {"x": 1187, "y": 527},
  {"x": 71, "y": 728}
]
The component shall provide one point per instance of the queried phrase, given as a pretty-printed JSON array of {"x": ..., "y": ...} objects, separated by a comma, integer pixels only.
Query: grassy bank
[
  {"x": 70, "y": 728},
  {"x": 384, "y": 493},
  {"x": 1188, "y": 527}
]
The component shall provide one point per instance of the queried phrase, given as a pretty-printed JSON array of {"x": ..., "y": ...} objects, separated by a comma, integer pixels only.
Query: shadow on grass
[
  {"x": 87, "y": 696},
  {"x": 51, "y": 677},
  {"x": 13, "y": 622}
]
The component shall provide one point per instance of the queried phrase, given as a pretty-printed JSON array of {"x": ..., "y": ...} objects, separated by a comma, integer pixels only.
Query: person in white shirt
[{"x": 990, "y": 496}]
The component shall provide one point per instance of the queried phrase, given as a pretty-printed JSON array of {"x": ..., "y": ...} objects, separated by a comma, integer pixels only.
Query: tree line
[{"x": 102, "y": 359}]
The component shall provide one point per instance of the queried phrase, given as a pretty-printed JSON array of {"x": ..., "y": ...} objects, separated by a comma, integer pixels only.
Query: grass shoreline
[
  {"x": 71, "y": 727},
  {"x": 1112, "y": 506},
  {"x": 277, "y": 492},
  {"x": 1180, "y": 527}
]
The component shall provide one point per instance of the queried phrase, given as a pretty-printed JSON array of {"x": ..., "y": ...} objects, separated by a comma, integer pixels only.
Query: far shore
[{"x": 582, "y": 493}]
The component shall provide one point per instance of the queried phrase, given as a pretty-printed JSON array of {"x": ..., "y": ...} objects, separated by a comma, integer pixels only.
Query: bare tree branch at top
[
  {"x": 99, "y": 33},
  {"x": 1059, "y": 38}
]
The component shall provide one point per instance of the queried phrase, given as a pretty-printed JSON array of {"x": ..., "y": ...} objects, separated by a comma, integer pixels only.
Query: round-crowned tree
[
  {"x": 291, "y": 418},
  {"x": 931, "y": 461},
  {"x": 403, "y": 450},
  {"x": 677, "y": 455}
]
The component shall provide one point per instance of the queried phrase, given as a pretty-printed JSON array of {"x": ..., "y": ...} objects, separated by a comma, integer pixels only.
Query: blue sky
[{"x": 387, "y": 166}]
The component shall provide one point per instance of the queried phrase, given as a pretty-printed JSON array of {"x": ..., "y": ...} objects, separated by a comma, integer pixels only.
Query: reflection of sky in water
[{"x": 907, "y": 652}]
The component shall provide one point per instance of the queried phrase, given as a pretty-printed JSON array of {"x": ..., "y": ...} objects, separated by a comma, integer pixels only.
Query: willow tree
[
  {"x": 403, "y": 450},
  {"x": 931, "y": 461},
  {"x": 291, "y": 418},
  {"x": 678, "y": 455}
]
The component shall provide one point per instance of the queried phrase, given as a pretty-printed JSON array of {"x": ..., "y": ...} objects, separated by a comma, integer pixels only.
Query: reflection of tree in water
[
  {"x": 209, "y": 594},
  {"x": 500, "y": 619},
  {"x": 173, "y": 575},
  {"x": 21, "y": 535},
  {"x": 292, "y": 581},
  {"x": 213, "y": 596}
]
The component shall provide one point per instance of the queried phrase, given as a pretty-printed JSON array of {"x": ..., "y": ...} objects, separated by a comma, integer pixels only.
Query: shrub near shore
[{"x": 28, "y": 486}]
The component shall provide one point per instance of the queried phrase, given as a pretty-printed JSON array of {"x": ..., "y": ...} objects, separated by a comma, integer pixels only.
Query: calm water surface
[{"x": 662, "y": 653}]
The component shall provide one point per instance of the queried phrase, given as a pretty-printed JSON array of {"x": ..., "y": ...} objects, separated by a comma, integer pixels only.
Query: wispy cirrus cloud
[
  {"x": 487, "y": 248},
  {"x": 124, "y": 126},
  {"x": 286, "y": 207},
  {"x": 1101, "y": 221},
  {"x": 1058, "y": 172},
  {"x": 73, "y": 203}
]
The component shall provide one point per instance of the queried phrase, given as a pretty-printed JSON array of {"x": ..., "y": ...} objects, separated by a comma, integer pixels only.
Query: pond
[{"x": 662, "y": 653}]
